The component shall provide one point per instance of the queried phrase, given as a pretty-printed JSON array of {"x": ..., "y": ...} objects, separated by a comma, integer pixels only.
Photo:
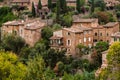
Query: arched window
[{"x": 95, "y": 34}]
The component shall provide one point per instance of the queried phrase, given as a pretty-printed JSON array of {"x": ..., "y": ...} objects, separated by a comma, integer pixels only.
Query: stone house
[
  {"x": 115, "y": 37},
  {"x": 104, "y": 32},
  {"x": 100, "y": 32},
  {"x": 85, "y": 31},
  {"x": 69, "y": 38},
  {"x": 29, "y": 30}
]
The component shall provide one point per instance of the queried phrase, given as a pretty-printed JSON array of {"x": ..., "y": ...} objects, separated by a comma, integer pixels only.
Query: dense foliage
[
  {"x": 113, "y": 68},
  {"x": 6, "y": 15},
  {"x": 11, "y": 67}
]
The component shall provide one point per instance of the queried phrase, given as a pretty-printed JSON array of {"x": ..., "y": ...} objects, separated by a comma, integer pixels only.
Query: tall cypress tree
[
  {"x": 33, "y": 10},
  {"x": 39, "y": 5},
  {"x": 92, "y": 6},
  {"x": 78, "y": 5},
  {"x": 49, "y": 4},
  {"x": 58, "y": 10},
  {"x": 64, "y": 7},
  {"x": 102, "y": 5}
]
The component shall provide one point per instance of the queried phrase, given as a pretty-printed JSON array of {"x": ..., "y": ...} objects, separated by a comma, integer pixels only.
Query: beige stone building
[
  {"x": 85, "y": 31},
  {"x": 69, "y": 38},
  {"x": 104, "y": 32},
  {"x": 100, "y": 32},
  {"x": 29, "y": 30},
  {"x": 115, "y": 37}
]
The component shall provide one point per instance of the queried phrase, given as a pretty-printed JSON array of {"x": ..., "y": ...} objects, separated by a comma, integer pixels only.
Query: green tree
[
  {"x": 39, "y": 5},
  {"x": 64, "y": 6},
  {"x": 35, "y": 69},
  {"x": 33, "y": 10},
  {"x": 78, "y": 6},
  {"x": 58, "y": 11},
  {"x": 13, "y": 43},
  {"x": 49, "y": 74},
  {"x": 102, "y": 46},
  {"x": 104, "y": 17},
  {"x": 112, "y": 72},
  {"x": 50, "y": 4},
  {"x": 81, "y": 49},
  {"x": 52, "y": 56},
  {"x": 10, "y": 67},
  {"x": 6, "y": 15},
  {"x": 67, "y": 20},
  {"x": 92, "y": 6},
  {"x": 47, "y": 32}
]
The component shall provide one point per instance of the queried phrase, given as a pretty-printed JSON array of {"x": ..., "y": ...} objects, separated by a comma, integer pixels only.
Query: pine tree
[
  {"x": 78, "y": 6},
  {"x": 92, "y": 6},
  {"x": 58, "y": 10},
  {"x": 33, "y": 10},
  {"x": 39, "y": 5},
  {"x": 49, "y": 4}
]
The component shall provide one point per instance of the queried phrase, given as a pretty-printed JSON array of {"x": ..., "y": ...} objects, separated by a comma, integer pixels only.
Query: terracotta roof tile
[
  {"x": 110, "y": 24},
  {"x": 75, "y": 30}
]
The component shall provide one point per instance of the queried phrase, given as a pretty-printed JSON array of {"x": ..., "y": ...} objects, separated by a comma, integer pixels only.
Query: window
[
  {"x": 95, "y": 34},
  {"x": 101, "y": 40},
  {"x": 46, "y": 13},
  {"x": 95, "y": 40},
  {"x": 85, "y": 39},
  {"x": 68, "y": 42},
  {"x": 68, "y": 33},
  {"x": 108, "y": 41},
  {"x": 107, "y": 34},
  {"x": 115, "y": 39},
  {"x": 89, "y": 39}
]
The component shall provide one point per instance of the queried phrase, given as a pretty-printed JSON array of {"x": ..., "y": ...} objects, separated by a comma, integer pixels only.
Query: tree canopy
[
  {"x": 10, "y": 67},
  {"x": 113, "y": 68}
]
